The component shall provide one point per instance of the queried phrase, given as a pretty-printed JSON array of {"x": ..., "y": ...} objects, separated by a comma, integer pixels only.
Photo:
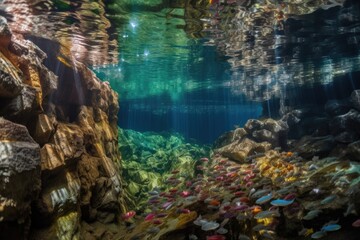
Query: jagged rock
[
  {"x": 308, "y": 146},
  {"x": 19, "y": 175},
  {"x": 252, "y": 125},
  {"x": 45, "y": 127},
  {"x": 337, "y": 107},
  {"x": 69, "y": 140},
  {"x": 346, "y": 122},
  {"x": 273, "y": 132},
  {"x": 21, "y": 107},
  {"x": 10, "y": 78},
  {"x": 355, "y": 99},
  {"x": 51, "y": 158},
  {"x": 239, "y": 151}
]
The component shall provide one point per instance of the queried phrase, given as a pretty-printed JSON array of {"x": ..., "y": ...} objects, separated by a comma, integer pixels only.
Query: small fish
[
  {"x": 328, "y": 200},
  {"x": 167, "y": 205},
  {"x": 222, "y": 231},
  {"x": 153, "y": 193},
  {"x": 259, "y": 227},
  {"x": 157, "y": 221},
  {"x": 214, "y": 202},
  {"x": 193, "y": 237},
  {"x": 204, "y": 159},
  {"x": 175, "y": 172},
  {"x": 208, "y": 226},
  {"x": 243, "y": 237},
  {"x": 150, "y": 216},
  {"x": 184, "y": 210},
  {"x": 128, "y": 215},
  {"x": 260, "y": 193},
  {"x": 312, "y": 214},
  {"x": 281, "y": 202},
  {"x": 331, "y": 227},
  {"x": 264, "y": 199},
  {"x": 215, "y": 237},
  {"x": 318, "y": 235},
  {"x": 356, "y": 223},
  {"x": 185, "y": 194},
  {"x": 306, "y": 232}
]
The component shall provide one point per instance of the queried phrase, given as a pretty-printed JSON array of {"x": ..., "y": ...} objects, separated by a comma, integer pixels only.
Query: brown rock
[
  {"x": 239, "y": 151},
  {"x": 69, "y": 140},
  {"x": 19, "y": 175},
  {"x": 45, "y": 127},
  {"x": 51, "y": 157},
  {"x": 10, "y": 78}
]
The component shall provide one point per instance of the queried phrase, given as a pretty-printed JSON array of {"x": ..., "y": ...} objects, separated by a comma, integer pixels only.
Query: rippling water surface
[{"x": 200, "y": 67}]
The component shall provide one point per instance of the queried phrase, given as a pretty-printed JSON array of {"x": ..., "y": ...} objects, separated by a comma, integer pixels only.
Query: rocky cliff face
[{"x": 59, "y": 157}]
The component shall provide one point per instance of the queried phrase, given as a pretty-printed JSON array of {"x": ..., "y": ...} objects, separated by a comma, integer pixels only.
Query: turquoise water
[{"x": 199, "y": 68}]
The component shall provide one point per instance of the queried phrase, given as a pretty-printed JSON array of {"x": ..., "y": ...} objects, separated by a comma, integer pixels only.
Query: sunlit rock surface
[{"x": 73, "y": 119}]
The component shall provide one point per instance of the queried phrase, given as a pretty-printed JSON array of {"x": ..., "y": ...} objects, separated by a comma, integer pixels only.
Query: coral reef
[{"x": 58, "y": 141}]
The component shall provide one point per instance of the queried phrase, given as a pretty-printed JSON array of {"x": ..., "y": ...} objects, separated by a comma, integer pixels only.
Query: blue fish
[
  {"x": 318, "y": 235},
  {"x": 264, "y": 199},
  {"x": 330, "y": 227},
  {"x": 281, "y": 202}
]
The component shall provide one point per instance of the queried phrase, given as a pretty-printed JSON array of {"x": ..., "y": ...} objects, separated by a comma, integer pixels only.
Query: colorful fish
[
  {"x": 128, "y": 215},
  {"x": 281, "y": 202},
  {"x": 356, "y": 223}
]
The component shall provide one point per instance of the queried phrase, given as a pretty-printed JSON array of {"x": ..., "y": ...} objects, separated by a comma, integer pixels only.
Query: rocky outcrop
[
  {"x": 254, "y": 139},
  {"x": 64, "y": 127}
]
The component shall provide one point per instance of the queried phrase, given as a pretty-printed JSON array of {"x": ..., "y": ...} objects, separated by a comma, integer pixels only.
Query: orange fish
[
  {"x": 214, "y": 202},
  {"x": 244, "y": 199},
  {"x": 256, "y": 209}
]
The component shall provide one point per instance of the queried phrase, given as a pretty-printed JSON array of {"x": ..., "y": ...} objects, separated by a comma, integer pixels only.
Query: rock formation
[{"x": 58, "y": 141}]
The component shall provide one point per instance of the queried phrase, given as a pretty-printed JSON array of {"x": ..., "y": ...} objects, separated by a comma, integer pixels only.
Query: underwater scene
[{"x": 179, "y": 119}]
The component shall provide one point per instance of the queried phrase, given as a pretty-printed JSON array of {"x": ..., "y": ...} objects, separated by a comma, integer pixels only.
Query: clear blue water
[{"x": 198, "y": 68}]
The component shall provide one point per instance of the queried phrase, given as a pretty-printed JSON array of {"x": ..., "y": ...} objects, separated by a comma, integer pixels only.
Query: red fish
[
  {"x": 204, "y": 159},
  {"x": 356, "y": 223},
  {"x": 184, "y": 210},
  {"x": 185, "y": 193},
  {"x": 150, "y": 217},
  {"x": 128, "y": 215},
  {"x": 157, "y": 221},
  {"x": 239, "y": 193},
  {"x": 215, "y": 237}
]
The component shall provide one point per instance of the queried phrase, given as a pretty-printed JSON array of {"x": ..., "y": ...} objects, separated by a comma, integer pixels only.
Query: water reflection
[
  {"x": 80, "y": 26},
  {"x": 274, "y": 45}
]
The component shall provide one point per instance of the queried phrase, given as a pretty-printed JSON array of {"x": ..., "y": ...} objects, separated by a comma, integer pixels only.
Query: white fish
[
  {"x": 208, "y": 226},
  {"x": 222, "y": 231}
]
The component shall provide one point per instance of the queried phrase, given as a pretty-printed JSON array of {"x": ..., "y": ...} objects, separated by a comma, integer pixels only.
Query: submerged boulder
[
  {"x": 239, "y": 151},
  {"x": 337, "y": 107},
  {"x": 308, "y": 146}
]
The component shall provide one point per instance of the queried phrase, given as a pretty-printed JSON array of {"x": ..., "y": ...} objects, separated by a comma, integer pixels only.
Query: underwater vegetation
[{"x": 151, "y": 160}]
